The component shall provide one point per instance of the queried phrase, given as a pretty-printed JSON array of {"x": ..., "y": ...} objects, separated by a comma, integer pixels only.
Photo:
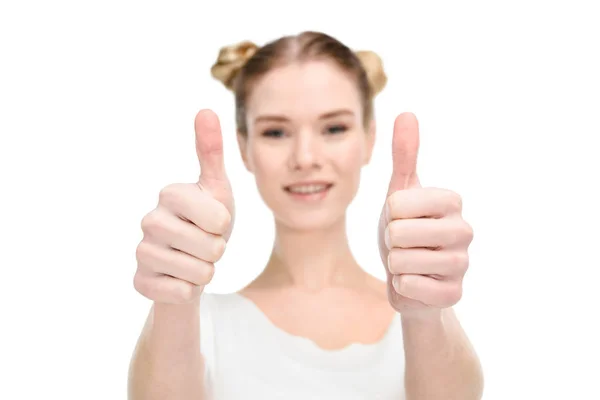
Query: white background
[{"x": 97, "y": 106}]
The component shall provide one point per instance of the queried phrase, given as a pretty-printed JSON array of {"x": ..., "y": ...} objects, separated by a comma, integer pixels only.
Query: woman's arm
[
  {"x": 167, "y": 362},
  {"x": 440, "y": 361}
]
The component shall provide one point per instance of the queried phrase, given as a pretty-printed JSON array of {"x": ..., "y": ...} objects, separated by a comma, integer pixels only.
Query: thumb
[
  {"x": 209, "y": 146},
  {"x": 405, "y": 148}
]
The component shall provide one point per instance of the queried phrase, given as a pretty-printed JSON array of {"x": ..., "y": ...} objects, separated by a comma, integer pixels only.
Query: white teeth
[{"x": 308, "y": 189}]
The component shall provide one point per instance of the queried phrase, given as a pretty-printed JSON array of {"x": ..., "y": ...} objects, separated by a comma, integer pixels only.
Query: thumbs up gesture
[
  {"x": 187, "y": 232},
  {"x": 423, "y": 240}
]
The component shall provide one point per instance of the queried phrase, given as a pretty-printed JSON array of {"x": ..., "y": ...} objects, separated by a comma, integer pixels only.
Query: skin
[
  {"x": 289, "y": 141},
  {"x": 294, "y": 136}
]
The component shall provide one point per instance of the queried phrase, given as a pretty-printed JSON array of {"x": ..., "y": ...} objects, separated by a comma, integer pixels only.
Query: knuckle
[
  {"x": 151, "y": 222},
  {"x": 142, "y": 253},
  {"x": 170, "y": 194},
  {"x": 173, "y": 196},
  {"x": 217, "y": 249},
  {"x": 455, "y": 295},
  {"x": 468, "y": 231},
  {"x": 206, "y": 273},
  {"x": 459, "y": 232},
  {"x": 185, "y": 292},
  {"x": 142, "y": 285},
  {"x": 455, "y": 202},
  {"x": 451, "y": 294},
  {"x": 222, "y": 220},
  {"x": 460, "y": 262},
  {"x": 210, "y": 272}
]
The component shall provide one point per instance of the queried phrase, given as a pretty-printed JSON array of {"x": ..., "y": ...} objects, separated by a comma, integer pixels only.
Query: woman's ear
[
  {"x": 242, "y": 140},
  {"x": 370, "y": 141}
]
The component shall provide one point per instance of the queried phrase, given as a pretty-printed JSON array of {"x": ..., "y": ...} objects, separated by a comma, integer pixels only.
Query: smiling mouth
[{"x": 308, "y": 189}]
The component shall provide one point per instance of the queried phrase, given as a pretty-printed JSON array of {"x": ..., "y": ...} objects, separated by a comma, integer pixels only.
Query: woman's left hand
[{"x": 423, "y": 239}]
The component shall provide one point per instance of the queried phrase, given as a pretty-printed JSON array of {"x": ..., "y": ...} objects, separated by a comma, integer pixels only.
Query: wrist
[
  {"x": 424, "y": 317},
  {"x": 176, "y": 312}
]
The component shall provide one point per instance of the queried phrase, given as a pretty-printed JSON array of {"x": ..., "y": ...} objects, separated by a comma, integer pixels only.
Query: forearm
[
  {"x": 167, "y": 362},
  {"x": 440, "y": 361}
]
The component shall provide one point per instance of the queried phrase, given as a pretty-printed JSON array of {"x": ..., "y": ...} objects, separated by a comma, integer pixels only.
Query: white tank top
[{"x": 247, "y": 357}]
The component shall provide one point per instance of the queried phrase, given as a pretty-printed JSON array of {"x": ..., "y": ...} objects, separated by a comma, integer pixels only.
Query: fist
[
  {"x": 187, "y": 232},
  {"x": 423, "y": 239}
]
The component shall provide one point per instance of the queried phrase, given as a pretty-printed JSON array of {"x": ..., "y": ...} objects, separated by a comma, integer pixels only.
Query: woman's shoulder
[{"x": 220, "y": 312}]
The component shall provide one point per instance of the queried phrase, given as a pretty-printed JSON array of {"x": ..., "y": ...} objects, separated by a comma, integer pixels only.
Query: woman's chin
[{"x": 310, "y": 221}]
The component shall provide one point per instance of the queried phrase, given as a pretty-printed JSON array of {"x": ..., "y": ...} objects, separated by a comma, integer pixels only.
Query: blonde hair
[{"x": 240, "y": 65}]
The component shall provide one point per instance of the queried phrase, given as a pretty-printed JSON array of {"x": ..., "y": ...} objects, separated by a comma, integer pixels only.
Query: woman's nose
[{"x": 306, "y": 152}]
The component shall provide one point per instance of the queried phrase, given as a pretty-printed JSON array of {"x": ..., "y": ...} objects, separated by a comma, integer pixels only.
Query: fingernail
[
  {"x": 395, "y": 284},
  {"x": 387, "y": 211},
  {"x": 387, "y": 237}
]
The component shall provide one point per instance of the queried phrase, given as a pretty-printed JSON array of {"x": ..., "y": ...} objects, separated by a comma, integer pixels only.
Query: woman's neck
[{"x": 312, "y": 260}]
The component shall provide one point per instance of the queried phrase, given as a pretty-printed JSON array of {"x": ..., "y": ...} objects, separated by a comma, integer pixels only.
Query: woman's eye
[
  {"x": 335, "y": 129},
  {"x": 273, "y": 133}
]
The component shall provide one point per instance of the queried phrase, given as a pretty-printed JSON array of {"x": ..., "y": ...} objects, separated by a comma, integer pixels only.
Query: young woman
[{"x": 313, "y": 324}]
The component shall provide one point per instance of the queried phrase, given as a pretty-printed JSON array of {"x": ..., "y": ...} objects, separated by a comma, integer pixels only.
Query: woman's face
[{"x": 306, "y": 143}]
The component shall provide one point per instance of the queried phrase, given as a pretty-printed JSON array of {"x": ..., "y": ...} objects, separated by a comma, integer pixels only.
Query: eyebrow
[{"x": 281, "y": 118}]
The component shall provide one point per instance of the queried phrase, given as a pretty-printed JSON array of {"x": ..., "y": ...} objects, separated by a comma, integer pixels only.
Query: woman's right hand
[{"x": 188, "y": 230}]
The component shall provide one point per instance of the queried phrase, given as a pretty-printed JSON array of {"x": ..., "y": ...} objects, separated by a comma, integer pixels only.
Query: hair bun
[
  {"x": 373, "y": 66},
  {"x": 230, "y": 60}
]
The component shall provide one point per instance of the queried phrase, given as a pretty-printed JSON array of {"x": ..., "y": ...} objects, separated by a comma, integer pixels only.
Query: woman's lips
[{"x": 309, "y": 191}]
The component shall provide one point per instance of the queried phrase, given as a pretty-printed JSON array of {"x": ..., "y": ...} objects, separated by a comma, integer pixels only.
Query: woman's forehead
[{"x": 308, "y": 89}]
